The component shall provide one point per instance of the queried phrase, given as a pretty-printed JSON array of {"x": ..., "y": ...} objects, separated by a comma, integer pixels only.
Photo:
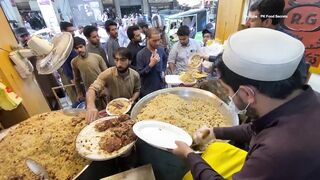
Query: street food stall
[
  {"x": 61, "y": 145},
  {"x": 53, "y": 144}
]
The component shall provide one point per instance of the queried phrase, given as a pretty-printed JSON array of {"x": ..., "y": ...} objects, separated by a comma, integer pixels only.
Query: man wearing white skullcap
[{"x": 259, "y": 70}]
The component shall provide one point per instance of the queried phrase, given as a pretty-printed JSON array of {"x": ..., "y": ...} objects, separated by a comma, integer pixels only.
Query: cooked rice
[
  {"x": 118, "y": 106},
  {"x": 195, "y": 61},
  {"x": 48, "y": 139},
  {"x": 188, "y": 115},
  {"x": 187, "y": 77}
]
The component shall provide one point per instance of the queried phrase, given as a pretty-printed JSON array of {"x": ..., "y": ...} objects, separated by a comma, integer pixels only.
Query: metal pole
[{"x": 117, "y": 6}]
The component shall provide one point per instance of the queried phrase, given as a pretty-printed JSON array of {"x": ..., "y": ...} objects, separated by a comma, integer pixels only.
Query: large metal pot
[
  {"x": 163, "y": 161},
  {"x": 188, "y": 94}
]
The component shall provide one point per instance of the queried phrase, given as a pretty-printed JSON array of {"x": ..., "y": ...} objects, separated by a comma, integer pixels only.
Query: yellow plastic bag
[
  {"x": 223, "y": 158},
  {"x": 8, "y": 99}
]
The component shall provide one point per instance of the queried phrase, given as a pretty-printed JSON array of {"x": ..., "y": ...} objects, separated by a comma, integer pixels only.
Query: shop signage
[{"x": 303, "y": 20}]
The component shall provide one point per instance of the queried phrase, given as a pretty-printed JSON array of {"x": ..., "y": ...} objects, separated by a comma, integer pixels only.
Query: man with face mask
[
  {"x": 120, "y": 81},
  {"x": 144, "y": 28},
  {"x": 265, "y": 83},
  {"x": 86, "y": 68},
  {"x": 134, "y": 34}
]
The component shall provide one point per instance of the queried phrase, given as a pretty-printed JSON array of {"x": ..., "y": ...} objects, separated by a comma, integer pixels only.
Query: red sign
[
  {"x": 304, "y": 18},
  {"x": 304, "y": 21}
]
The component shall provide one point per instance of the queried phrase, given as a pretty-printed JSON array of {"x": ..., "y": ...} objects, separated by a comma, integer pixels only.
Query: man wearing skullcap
[{"x": 265, "y": 84}]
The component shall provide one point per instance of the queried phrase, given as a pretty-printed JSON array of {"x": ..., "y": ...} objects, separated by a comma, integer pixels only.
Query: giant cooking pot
[
  {"x": 163, "y": 161},
  {"x": 188, "y": 94}
]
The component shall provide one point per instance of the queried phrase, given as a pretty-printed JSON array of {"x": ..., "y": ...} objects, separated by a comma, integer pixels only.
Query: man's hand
[
  {"x": 203, "y": 136},
  {"x": 131, "y": 100},
  {"x": 172, "y": 68},
  {"x": 204, "y": 57},
  {"x": 80, "y": 97},
  {"x": 91, "y": 114},
  {"x": 182, "y": 149},
  {"x": 154, "y": 59}
]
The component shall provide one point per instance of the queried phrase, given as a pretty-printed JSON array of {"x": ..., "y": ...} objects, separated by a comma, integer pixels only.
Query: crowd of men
[{"x": 149, "y": 48}]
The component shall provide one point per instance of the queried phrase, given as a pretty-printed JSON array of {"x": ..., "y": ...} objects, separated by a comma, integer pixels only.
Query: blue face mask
[{"x": 233, "y": 108}]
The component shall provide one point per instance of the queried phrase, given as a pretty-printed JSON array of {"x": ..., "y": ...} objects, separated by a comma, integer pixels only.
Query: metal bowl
[{"x": 188, "y": 94}]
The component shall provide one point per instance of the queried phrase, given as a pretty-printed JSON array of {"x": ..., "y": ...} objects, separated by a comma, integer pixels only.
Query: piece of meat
[
  {"x": 123, "y": 117},
  {"x": 130, "y": 122},
  {"x": 110, "y": 144},
  {"x": 123, "y": 128},
  {"x": 131, "y": 135},
  {"x": 118, "y": 105},
  {"x": 123, "y": 133},
  {"x": 119, "y": 131},
  {"x": 128, "y": 137},
  {"x": 127, "y": 124},
  {"x": 104, "y": 125}
]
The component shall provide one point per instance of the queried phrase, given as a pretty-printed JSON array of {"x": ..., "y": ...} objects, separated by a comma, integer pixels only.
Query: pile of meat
[{"x": 121, "y": 133}]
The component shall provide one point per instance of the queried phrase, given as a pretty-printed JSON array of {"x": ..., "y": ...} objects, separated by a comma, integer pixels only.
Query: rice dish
[{"x": 186, "y": 114}]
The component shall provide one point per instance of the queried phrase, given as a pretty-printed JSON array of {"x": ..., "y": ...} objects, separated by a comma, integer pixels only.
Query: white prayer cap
[{"x": 263, "y": 54}]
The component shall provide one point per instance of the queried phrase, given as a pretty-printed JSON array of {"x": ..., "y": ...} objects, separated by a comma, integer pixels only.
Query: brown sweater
[{"x": 87, "y": 69}]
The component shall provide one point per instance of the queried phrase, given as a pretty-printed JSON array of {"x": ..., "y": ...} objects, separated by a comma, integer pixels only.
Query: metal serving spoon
[{"x": 37, "y": 169}]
